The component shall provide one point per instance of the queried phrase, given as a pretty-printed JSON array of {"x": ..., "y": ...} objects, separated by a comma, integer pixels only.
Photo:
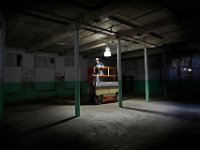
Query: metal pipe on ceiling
[
  {"x": 39, "y": 12},
  {"x": 86, "y": 26},
  {"x": 91, "y": 27}
]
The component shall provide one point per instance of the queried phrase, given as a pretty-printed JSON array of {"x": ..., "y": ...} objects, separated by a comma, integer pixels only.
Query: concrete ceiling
[{"x": 49, "y": 26}]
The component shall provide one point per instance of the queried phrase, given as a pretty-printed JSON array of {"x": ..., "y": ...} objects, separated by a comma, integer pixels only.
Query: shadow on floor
[
  {"x": 35, "y": 105},
  {"x": 178, "y": 115},
  {"x": 9, "y": 134}
]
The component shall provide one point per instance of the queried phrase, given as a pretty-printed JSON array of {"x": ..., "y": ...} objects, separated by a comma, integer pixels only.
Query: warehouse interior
[{"x": 46, "y": 48}]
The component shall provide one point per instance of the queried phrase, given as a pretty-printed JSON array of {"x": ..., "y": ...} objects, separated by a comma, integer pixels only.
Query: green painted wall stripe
[
  {"x": 44, "y": 86},
  {"x": 120, "y": 93},
  {"x": 16, "y": 92},
  {"x": 77, "y": 98},
  {"x": 138, "y": 87},
  {"x": 11, "y": 87},
  {"x": 147, "y": 90},
  {"x": 173, "y": 87}
]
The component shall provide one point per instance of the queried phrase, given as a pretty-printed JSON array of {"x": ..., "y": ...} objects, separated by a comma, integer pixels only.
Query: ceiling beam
[
  {"x": 89, "y": 53},
  {"x": 96, "y": 44},
  {"x": 154, "y": 34},
  {"x": 123, "y": 21},
  {"x": 108, "y": 10},
  {"x": 177, "y": 43},
  {"x": 151, "y": 26},
  {"x": 130, "y": 33},
  {"x": 123, "y": 34}
]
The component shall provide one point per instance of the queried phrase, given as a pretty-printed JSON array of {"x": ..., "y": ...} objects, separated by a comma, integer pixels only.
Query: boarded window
[
  {"x": 39, "y": 62},
  {"x": 44, "y": 62},
  {"x": 14, "y": 60},
  {"x": 181, "y": 67},
  {"x": 49, "y": 62}
]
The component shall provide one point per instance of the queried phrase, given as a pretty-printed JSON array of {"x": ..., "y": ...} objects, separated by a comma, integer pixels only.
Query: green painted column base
[
  {"x": 147, "y": 90},
  {"x": 120, "y": 99},
  {"x": 77, "y": 98},
  {"x": 1, "y": 104}
]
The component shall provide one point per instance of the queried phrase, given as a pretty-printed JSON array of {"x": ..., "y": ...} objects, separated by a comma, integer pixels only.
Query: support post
[
  {"x": 164, "y": 75},
  {"x": 77, "y": 73},
  {"x": 146, "y": 75},
  {"x": 2, "y": 64},
  {"x": 119, "y": 71}
]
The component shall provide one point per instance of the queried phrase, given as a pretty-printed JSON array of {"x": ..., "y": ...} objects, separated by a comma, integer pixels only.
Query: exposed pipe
[
  {"x": 145, "y": 14},
  {"x": 67, "y": 20}
]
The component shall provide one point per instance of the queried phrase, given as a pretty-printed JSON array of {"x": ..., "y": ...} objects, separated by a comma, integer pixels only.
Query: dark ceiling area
[{"x": 48, "y": 25}]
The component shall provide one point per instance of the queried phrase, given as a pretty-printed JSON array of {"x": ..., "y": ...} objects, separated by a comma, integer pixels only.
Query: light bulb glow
[{"x": 107, "y": 53}]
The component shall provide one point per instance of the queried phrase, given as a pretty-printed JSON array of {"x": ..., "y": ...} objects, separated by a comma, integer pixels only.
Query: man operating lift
[{"x": 98, "y": 69}]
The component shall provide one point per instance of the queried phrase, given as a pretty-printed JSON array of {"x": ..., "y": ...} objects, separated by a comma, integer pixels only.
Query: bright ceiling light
[{"x": 107, "y": 52}]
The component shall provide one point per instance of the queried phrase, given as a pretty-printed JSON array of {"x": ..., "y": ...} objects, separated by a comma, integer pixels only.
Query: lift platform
[{"x": 106, "y": 90}]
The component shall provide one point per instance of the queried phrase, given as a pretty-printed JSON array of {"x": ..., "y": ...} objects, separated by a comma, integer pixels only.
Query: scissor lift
[{"x": 106, "y": 90}]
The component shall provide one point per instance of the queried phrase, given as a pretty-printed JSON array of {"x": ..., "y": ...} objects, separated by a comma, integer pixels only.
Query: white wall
[
  {"x": 28, "y": 71},
  {"x": 60, "y": 65},
  {"x": 83, "y": 70},
  {"x": 13, "y": 74},
  {"x": 69, "y": 70},
  {"x": 135, "y": 67},
  {"x": 69, "y": 73},
  {"x": 44, "y": 74}
]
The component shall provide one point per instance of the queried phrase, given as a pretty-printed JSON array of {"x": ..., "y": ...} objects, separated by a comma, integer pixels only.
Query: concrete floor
[{"x": 157, "y": 125}]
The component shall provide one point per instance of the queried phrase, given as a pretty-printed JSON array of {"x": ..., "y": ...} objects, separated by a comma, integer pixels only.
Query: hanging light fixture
[{"x": 107, "y": 52}]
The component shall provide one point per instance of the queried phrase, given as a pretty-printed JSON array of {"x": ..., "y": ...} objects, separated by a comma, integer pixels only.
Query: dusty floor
[{"x": 157, "y": 125}]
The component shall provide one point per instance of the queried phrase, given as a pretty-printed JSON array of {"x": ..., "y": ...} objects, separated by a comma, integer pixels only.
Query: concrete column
[
  {"x": 119, "y": 72},
  {"x": 77, "y": 73},
  {"x": 164, "y": 75},
  {"x": 146, "y": 75},
  {"x": 2, "y": 64}
]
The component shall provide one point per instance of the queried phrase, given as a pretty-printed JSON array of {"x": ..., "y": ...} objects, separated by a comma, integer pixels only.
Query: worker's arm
[{"x": 94, "y": 71}]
